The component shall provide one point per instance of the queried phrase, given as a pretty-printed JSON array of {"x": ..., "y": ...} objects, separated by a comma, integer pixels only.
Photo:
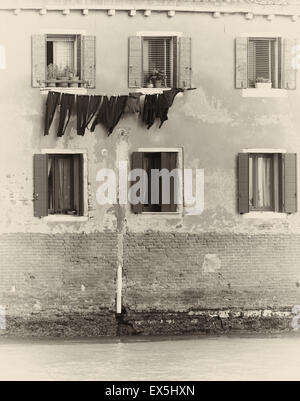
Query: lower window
[
  {"x": 58, "y": 185},
  {"x": 267, "y": 182}
]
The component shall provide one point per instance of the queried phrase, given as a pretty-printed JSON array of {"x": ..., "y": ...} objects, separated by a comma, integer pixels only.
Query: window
[
  {"x": 59, "y": 185},
  {"x": 160, "y": 61},
  {"x": 161, "y": 192},
  {"x": 265, "y": 63},
  {"x": 267, "y": 182},
  {"x": 63, "y": 60}
]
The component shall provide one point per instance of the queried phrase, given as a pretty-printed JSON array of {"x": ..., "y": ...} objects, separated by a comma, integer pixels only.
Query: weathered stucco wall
[{"x": 212, "y": 124}]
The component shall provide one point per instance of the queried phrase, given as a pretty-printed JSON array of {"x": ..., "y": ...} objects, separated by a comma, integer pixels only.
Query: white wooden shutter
[
  {"x": 185, "y": 63},
  {"x": 241, "y": 63},
  {"x": 89, "y": 61},
  {"x": 135, "y": 62},
  {"x": 289, "y": 72},
  {"x": 39, "y": 60}
]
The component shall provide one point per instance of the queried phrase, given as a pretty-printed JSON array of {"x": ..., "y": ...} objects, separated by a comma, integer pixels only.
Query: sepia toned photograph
[{"x": 149, "y": 208}]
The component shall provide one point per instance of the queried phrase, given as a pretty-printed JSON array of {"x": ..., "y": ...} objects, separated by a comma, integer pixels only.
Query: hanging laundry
[
  {"x": 164, "y": 102},
  {"x": 133, "y": 104},
  {"x": 51, "y": 105},
  {"x": 110, "y": 112},
  {"x": 150, "y": 110},
  {"x": 66, "y": 108},
  {"x": 94, "y": 104},
  {"x": 82, "y": 112}
]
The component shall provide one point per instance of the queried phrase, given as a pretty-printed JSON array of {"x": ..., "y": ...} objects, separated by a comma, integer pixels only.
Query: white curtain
[
  {"x": 264, "y": 182},
  {"x": 63, "y": 54}
]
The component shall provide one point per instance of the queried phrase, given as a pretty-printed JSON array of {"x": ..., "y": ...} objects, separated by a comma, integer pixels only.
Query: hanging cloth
[
  {"x": 164, "y": 102},
  {"x": 67, "y": 104},
  {"x": 51, "y": 105},
  {"x": 82, "y": 113},
  {"x": 133, "y": 103},
  {"x": 150, "y": 110},
  {"x": 110, "y": 112},
  {"x": 94, "y": 104}
]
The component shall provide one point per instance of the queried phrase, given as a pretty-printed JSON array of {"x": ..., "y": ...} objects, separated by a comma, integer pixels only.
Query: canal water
[{"x": 212, "y": 358}]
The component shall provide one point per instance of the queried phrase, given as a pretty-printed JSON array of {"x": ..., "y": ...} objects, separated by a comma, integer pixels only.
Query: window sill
[
  {"x": 254, "y": 92},
  {"x": 150, "y": 91},
  {"x": 161, "y": 213},
  {"x": 75, "y": 91},
  {"x": 265, "y": 215},
  {"x": 65, "y": 219}
]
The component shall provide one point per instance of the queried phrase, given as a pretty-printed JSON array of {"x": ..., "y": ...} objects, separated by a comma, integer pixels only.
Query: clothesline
[{"x": 101, "y": 109}]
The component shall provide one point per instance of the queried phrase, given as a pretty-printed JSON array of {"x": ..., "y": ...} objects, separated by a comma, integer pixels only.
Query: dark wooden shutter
[
  {"x": 135, "y": 62},
  {"x": 290, "y": 183},
  {"x": 289, "y": 71},
  {"x": 241, "y": 63},
  {"x": 78, "y": 184},
  {"x": 169, "y": 162},
  {"x": 137, "y": 163},
  {"x": 40, "y": 185},
  {"x": 185, "y": 63},
  {"x": 243, "y": 182},
  {"x": 39, "y": 60},
  {"x": 89, "y": 61}
]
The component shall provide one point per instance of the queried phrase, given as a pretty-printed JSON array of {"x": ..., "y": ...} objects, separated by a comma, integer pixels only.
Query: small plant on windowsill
[
  {"x": 63, "y": 77},
  {"x": 263, "y": 83},
  {"x": 72, "y": 77},
  {"x": 52, "y": 72},
  {"x": 157, "y": 77}
]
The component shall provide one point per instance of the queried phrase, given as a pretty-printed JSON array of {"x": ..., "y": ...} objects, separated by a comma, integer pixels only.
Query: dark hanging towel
[
  {"x": 94, "y": 104},
  {"x": 66, "y": 108},
  {"x": 51, "y": 105},
  {"x": 133, "y": 103},
  {"x": 150, "y": 110},
  {"x": 110, "y": 112},
  {"x": 82, "y": 113},
  {"x": 164, "y": 102}
]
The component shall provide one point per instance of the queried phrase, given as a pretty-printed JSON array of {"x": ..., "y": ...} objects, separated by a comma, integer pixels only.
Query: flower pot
[
  {"x": 64, "y": 83},
  {"x": 157, "y": 84},
  {"x": 74, "y": 84},
  {"x": 263, "y": 85},
  {"x": 149, "y": 85},
  {"x": 51, "y": 83}
]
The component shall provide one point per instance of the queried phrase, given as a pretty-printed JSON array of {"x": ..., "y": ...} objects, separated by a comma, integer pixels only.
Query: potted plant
[
  {"x": 157, "y": 77},
  {"x": 263, "y": 83},
  {"x": 52, "y": 71},
  {"x": 63, "y": 77},
  {"x": 72, "y": 77}
]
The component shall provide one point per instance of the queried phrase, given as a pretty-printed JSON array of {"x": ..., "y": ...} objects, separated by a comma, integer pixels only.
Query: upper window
[
  {"x": 64, "y": 61},
  {"x": 58, "y": 185},
  {"x": 160, "y": 61},
  {"x": 265, "y": 63},
  {"x": 267, "y": 182}
]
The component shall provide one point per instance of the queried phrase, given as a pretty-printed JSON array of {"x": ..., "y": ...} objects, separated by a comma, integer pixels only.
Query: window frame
[
  {"x": 175, "y": 65},
  {"x": 180, "y": 166},
  {"x": 72, "y": 218}
]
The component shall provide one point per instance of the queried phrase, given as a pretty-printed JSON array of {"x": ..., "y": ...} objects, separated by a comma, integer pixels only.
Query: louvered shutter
[
  {"x": 137, "y": 163},
  {"x": 243, "y": 183},
  {"x": 39, "y": 60},
  {"x": 40, "y": 185},
  {"x": 89, "y": 61},
  {"x": 135, "y": 62},
  {"x": 169, "y": 162},
  {"x": 289, "y": 72},
  {"x": 290, "y": 183},
  {"x": 185, "y": 63},
  {"x": 241, "y": 57}
]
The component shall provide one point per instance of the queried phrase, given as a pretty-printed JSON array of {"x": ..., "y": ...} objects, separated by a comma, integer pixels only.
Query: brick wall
[
  {"x": 212, "y": 282},
  {"x": 65, "y": 285},
  {"x": 59, "y": 284}
]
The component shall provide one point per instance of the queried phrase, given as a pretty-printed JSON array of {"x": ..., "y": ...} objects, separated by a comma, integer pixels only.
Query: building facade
[{"x": 73, "y": 267}]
